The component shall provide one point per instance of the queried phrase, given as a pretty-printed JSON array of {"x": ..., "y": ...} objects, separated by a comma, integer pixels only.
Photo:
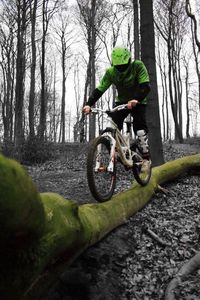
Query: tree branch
[
  {"x": 156, "y": 237},
  {"x": 192, "y": 16},
  {"x": 187, "y": 269}
]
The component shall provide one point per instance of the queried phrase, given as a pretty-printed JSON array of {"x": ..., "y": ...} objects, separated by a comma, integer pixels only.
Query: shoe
[{"x": 146, "y": 165}]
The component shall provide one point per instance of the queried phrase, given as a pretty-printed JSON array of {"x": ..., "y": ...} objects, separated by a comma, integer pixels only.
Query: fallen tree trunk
[{"x": 40, "y": 234}]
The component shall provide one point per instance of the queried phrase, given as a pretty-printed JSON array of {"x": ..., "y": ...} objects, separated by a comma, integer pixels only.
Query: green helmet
[{"x": 120, "y": 56}]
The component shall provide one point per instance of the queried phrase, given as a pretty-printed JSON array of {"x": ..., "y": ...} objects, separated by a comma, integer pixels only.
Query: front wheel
[
  {"x": 142, "y": 171},
  {"x": 101, "y": 179}
]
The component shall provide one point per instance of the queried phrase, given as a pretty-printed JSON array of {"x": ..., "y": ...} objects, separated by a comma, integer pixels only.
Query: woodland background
[{"x": 53, "y": 52}]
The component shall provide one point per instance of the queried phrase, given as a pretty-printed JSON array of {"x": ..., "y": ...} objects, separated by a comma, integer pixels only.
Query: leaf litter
[{"x": 129, "y": 263}]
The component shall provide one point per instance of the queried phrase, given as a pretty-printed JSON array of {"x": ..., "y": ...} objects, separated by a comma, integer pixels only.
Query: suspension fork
[
  {"x": 110, "y": 167},
  {"x": 112, "y": 154}
]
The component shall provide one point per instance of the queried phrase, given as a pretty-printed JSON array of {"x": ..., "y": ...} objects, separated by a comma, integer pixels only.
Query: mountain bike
[{"x": 110, "y": 147}]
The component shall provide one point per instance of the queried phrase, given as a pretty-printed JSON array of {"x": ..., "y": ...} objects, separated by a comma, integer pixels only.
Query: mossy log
[{"x": 42, "y": 233}]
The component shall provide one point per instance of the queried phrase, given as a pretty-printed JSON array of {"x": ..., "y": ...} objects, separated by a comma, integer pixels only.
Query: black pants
[{"x": 139, "y": 117}]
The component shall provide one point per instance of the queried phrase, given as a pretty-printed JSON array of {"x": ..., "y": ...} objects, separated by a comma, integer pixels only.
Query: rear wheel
[
  {"x": 101, "y": 181},
  {"x": 142, "y": 171}
]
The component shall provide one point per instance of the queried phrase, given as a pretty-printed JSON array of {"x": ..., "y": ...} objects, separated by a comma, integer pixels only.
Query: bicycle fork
[
  {"x": 112, "y": 154},
  {"x": 110, "y": 167}
]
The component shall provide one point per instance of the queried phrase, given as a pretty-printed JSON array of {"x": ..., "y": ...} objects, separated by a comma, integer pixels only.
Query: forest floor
[{"x": 129, "y": 263}]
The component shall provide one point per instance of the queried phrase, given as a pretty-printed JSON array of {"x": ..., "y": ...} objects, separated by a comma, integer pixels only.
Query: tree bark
[
  {"x": 43, "y": 233},
  {"x": 92, "y": 54},
  {"x": 197, "y": 64},
  {"x": 20, "y": 74},
  {"x": 187, "y": 99},
  {"x": 194, "y": 20},
  {"x": 63, "y": 87},
  {"x": 33, "y": 69},
  {"x": 47, "y": 14},
  {"x": 148, "y": 57},
  {"x": 43, "y": 100},
  {"x": 136, "y": 30},
  {"x": 8, "y": 65}
]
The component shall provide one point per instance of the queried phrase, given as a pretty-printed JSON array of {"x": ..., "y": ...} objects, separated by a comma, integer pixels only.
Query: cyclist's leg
[
  {"x": 141, "y": 130},
  {"x": 119, "y": 116}
]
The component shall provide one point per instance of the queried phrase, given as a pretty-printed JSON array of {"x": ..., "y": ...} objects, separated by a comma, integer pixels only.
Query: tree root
[
  {"x": 165, "y": 191},
  {"x": 187, "y": 268}
]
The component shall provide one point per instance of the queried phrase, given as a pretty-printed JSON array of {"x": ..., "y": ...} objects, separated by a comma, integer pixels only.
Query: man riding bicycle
[{"x": 132, "y": 83}]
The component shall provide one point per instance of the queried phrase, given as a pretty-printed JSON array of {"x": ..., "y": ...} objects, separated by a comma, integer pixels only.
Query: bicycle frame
[
  {"x": 118, "y": 142},
  {"x": 105, "y": 151}
]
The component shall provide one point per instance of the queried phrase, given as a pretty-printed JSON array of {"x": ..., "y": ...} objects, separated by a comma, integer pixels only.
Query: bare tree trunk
[
  {"x": 173, "y": 99},
  {"x": 193, "y": 18},
  {"x": 163, "y": 107},
  {"x": 91, "y": 15},
  {"x": 187, "y": 100},
  {"x": 7, "y": 84},
  {"x": 136, "y": 30},
  {"x": 77, "y": 98},
  {"x": 180, "y": 91},
  {"x": 11, "y": 110},
  {"x": 33, "y": 11},
  {"x": 47, "y": 14},
  {"x": 63, "y": 90},
  {"x": 164, "y": 92},
  {"x": 54, "y": 106},
  {"x": 4, "y": 100},
  {"x": 43, "y": 100},
  {"x": 148, "y": 57},
  {"x": 166, "y": 105},
  {"x": 172, "y": 28},
  {"x": 177, "y": 84},
  {"x": 20, "y": 74},
  {"x": 197, "y": 65},
  {"x": 10, "y": 84},
  {"x": 92, "y": 126},
  {"x": 83, "y": 130}
]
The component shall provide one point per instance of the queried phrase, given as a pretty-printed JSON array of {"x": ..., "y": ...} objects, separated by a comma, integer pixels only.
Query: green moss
[
  {"x": 62, "y": 225},
  {"x": 61, "y": 228},
  {"x": 21, "y": 209}
]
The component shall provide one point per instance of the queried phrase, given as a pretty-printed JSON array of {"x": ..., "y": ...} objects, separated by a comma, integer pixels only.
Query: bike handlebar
[{"x": 119, "y": 107}]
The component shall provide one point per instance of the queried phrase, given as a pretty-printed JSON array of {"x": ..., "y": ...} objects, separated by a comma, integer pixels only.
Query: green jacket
[{"x": 127, "y": 83}]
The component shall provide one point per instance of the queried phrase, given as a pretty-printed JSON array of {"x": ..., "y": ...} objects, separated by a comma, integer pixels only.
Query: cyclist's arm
[
  {"x": 138, "y": 96},
  {"x": 100, "y": 89},
  {"x": 143, "y": 90},
  {"x": 96, "y": 94}
]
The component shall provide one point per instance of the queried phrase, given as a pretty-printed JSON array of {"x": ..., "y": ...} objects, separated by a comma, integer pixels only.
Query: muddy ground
[{"x": 129, "y": 263}]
